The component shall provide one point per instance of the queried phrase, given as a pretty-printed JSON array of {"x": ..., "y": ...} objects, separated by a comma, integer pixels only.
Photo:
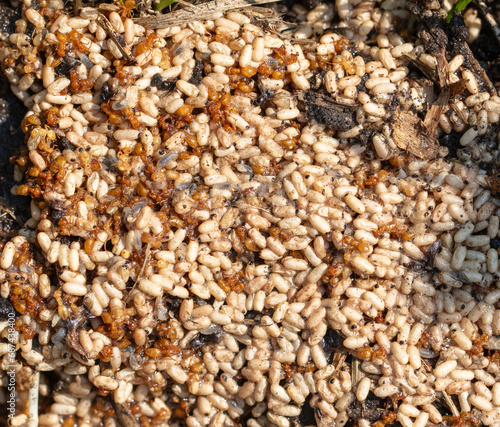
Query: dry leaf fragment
[{"x": 409, "y": 135}]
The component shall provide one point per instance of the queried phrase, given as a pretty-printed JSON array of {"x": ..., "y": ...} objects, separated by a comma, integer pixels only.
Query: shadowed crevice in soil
[{"x": 12, "y": 112}]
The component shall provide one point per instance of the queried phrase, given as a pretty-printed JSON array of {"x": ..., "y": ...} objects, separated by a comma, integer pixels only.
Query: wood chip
[
  {"x": 356, "y": 373},
  {"x": 431, "y": 120}
]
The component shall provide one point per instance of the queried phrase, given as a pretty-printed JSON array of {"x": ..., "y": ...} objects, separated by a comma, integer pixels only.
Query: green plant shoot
[
  {"x": 162, "y": 4},
  {"x": 459, "y": 6}
]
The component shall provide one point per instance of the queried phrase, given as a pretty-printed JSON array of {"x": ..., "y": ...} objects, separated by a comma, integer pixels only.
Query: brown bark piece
[
  {"x": 326, "y": 110},
  {"x": 431, "y": 121},
  {"x": 203, "y": 11}
]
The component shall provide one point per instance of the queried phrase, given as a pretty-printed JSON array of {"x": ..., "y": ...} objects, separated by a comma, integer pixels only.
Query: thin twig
[
  {"x": 356, "y": 373},
  {"x": 77, "y": 6},
  {"x": 340, "y": 363},
  {"x": 103, "y": 21},
  {"x": 203, "y": 11}
]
